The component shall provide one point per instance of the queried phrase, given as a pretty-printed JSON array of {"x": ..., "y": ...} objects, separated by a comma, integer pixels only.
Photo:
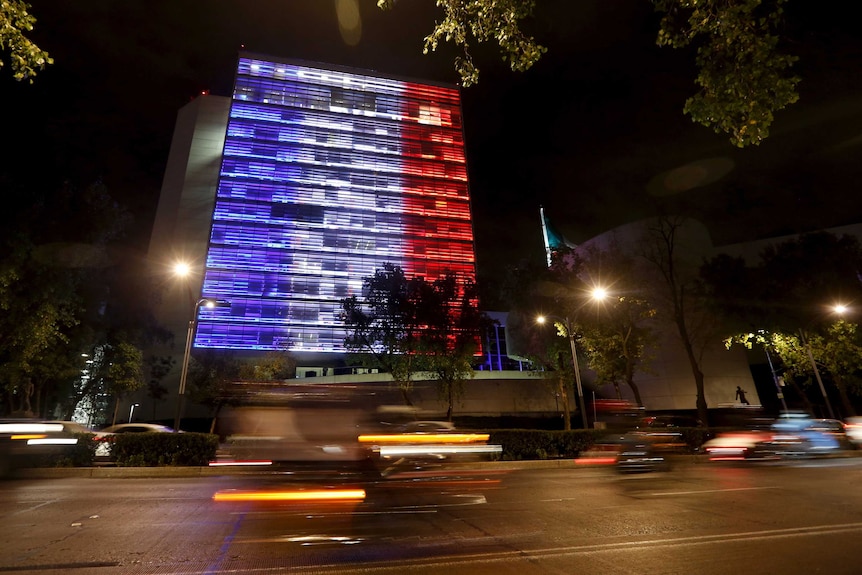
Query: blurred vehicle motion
[
  {"x": 636, "y": 451},
  {"x": 665, "y": 421},
  {"x": 343, "y": 428},
  {"x": 853, "y": 429},
  {"x": 103, "y": 437},
  {"x": 641, "y": 451},
  {"x": 790, "y": 436},
  {"x": 24, "y": 441}
]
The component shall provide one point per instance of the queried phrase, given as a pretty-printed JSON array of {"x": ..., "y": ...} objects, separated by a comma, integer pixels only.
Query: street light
[
  {"x": 599, "y": 293},
  {"x": 571, "y": 335},
  {"x": 132, "y": 411},
  {"x": 839, "y": 309},
  {"x": 203, "y": 302}
]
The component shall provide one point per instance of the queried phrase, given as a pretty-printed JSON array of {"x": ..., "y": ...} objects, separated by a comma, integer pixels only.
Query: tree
[
  {"x": 123, "y": 372},
  {"x": 384, "y": 327},
  {"x": 670, "y": 246},
  {"x": 525, "y": 291},
  {"x": 404, "y": 326},
  {"x": 159, "y": 368},
  {"x": 67, "y": 301},
  {"x": 617, "y": 336},
  {"x": 39, "y": 306},
  {"x": 274, "y": 365},
  {"x": 451, "y": 327},
  {"x": 212, "y": 375},
  {"x": 25, "y": 56},
  {"x": 743, "y": 77},
  {"x": 786, "y": 303}
]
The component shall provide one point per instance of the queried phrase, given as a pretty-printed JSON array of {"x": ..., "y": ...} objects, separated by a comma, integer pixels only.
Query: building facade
[{"x": 326, "y": 174}]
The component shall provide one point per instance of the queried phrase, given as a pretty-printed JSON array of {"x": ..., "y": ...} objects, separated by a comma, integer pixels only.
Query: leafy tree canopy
[
  {"x": 25, "y": 57},
  {"x": 743, "y": 76}
]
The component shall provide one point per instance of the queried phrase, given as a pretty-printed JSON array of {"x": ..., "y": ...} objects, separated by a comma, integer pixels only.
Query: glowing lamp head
[
  {"x": 182, "y": 269},
  {"x": 599, "y": 293}
]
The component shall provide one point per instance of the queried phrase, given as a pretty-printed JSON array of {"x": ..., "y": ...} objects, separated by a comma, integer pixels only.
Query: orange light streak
[
  {"x": 425, "y": 438},
  {"x": 315, "y": 495}
]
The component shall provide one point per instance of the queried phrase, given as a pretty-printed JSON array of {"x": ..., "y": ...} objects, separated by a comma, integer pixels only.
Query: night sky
[{"x": 595, "y": 132}]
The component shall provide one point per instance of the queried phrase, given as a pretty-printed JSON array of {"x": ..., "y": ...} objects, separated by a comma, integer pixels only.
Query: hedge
[
  {"x": 521, "y": 444},
  {"x": 153, "y": 449}
]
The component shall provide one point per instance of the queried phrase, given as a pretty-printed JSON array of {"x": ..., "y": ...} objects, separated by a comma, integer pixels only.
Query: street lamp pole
[
  {"x": 580, "y": 389},
  {"x": 132, "y": 411},
  {"x": 184, "y": 372},
  {"x": 816, "y": 373}
]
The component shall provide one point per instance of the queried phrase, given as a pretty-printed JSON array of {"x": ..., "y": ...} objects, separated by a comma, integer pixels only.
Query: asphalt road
[{"x": 703, "y": 518}]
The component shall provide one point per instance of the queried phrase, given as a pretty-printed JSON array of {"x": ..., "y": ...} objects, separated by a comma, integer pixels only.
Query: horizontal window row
[
  {"x": 281, "y": 286},
  {"x": 297, "y": 261},
  {"x": 384, "y": 188},
  {"x": 309, "y": 150},
  {"x": 323, "y": 131},
  {"x": 273, "y": 118},
  {"x": 287, "y": 219},
  {"x": 439, "y": 105},
  {"x": 425, "y": 206},
  {"x": 354, "y": 79},
  {"x": 241, "y": 337},
  {"x": 365, "y": 161},
  {"x": 343, "y": 245},
  {"x": 278, "y": 169}
]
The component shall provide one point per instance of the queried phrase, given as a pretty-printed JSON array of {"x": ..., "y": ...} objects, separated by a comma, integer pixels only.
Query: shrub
[
  {"x": 79, "y": 455},
  {"x": 542, "y": 444},
  {"x": 521, "y": 444},
  {"x": 160, "y": 449}
]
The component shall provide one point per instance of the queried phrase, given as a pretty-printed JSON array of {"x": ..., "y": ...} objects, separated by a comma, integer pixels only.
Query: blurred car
[
  {"x": 103, "y": 437},
  {"x": 790, "y": 436},
  {"x": 642, "y": 451},
  {"x": 427, "y": 427},
  {"x": 834, "y": 427},
  {"x": 853, "y": 429},
  {"x": 23, "y": 442},
  {"x": 735, "y": 445},
  {"x": 665, "y": 421},
  {"x": 798, "y": 437},
  {"x": 73, "y": 426}
]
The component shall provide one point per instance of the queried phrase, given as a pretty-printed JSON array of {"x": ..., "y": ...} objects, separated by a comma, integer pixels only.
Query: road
[{"x": 697, "y": 518}]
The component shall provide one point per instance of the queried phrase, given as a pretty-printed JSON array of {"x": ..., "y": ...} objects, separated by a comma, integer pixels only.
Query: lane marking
[
  {"x": 664, "y": 493},
  {"x": 537, "y": 554}
]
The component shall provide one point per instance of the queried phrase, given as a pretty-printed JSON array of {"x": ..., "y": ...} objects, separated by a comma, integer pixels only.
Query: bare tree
[{"x": 671, "y": 248}]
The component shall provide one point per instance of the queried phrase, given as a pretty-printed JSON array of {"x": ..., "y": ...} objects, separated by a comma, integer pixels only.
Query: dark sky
[{"x": 593, "y": 132}]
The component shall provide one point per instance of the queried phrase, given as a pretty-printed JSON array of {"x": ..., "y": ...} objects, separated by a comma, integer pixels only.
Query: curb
[{"x": 193, "y": 472}]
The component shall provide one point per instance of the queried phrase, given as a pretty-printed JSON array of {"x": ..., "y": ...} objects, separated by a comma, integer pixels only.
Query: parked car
[{"x": 103, "y": 437}]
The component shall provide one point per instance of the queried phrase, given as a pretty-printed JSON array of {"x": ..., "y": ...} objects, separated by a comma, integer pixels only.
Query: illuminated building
[{"x": 326, "y": 174}]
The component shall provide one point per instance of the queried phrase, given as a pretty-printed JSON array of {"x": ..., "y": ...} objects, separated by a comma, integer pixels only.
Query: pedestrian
[{"x": 740, "y": 395}]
